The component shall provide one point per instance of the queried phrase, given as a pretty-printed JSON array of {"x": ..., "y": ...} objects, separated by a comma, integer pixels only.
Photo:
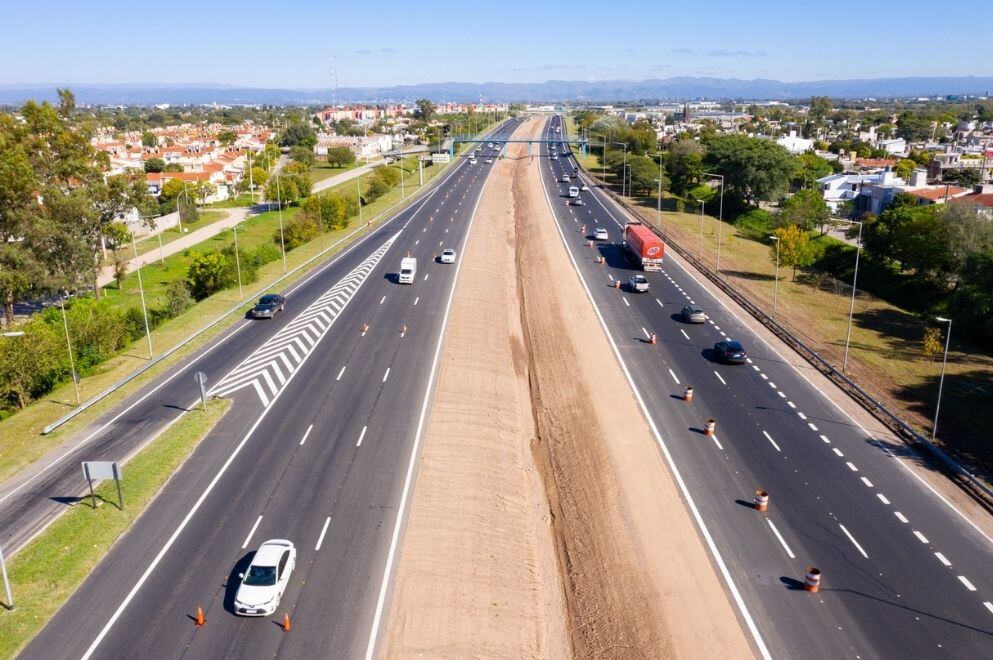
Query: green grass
[
  {"x": 321, "y": 171},
  {"x": 46, "y": 572},
  {"x": 151, "y": 243},
  {"x": 244, "y": 199}
]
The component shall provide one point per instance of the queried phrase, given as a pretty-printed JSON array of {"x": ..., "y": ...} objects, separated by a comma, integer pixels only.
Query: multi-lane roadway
[
  {"x": 329, "y": 399},
  {"x": 904, "y": 573}
]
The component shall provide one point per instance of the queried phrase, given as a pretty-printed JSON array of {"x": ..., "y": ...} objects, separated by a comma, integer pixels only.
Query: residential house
[{"x": 795, "y": 144}]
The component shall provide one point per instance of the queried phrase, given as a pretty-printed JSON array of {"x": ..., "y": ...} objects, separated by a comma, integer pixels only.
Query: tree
[
  {"x": 207, "y": 273},
  {"x": 330, "y": 210},
  {"x": 809, "y": 168},
  {"x": 154, "y": 165},
  {"x": 149, "y": 139},
  {"x": 286, "y": 188},
  {"x": 173, "y": 167},
  {"x": 932, "y": 345},
  {"x": 685, "y": 164},
  {"x": 971, "y": 304},
  {"x": 425, "y": 110},
  {"x": 300, "y": 229},
  {"x": 795, "y": 249},
  {"x": 202, "y": 190},
  {"x": 914, "y": 128},
  {"x": 912, "y": 236},
  {"x": 227, "y": 138},
  {"x": 644, "y": 173},
  {"x": 303, "y": 155},
  {"x": 754, "y": 169},
  {"x": 298, "y": 134},
  {"x": 967, "y": 231},
  {"x": 27, "y": 363},
  {"x": 966, "y": 177},
  {"x": 340, "y": 156},
  {"x": 904, "y": 168},
  {"x": 820, "y": 106},
  {"x": 806, "y": 209}
]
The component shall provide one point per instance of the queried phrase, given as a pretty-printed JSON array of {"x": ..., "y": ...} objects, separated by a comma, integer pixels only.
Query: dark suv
[
  {"x": 268, "y": 305},
  {"x": 730, "y": 352}
]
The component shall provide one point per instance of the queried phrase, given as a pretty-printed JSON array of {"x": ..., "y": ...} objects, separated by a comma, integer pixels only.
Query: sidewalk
[{"x": 332, "y": 181}]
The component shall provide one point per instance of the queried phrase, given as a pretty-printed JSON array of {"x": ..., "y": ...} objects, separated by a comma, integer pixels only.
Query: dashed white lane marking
[
  {"x": 988, "y": 605},
  {"x": 307, "y": 433},
  {"x": 756, "y": 367},
  {"x": 659, "y": 302},
  {"x": 720, "y": 379},
  {"x": 417, "y": 242},
  {"x": 812, "y": 427},
  {"x": 717, "y": 442},
  {"x": 942, "y": 559},
  {"x": 764, "y": 377},
  {"x": 341, "y": 373},
  {"x": 902, "y": 518},
  {"x": 626, "y": 302},
  {"x": 647, "y": 336},
  {"x": 825, "y": 439},
  {"x": 424, "y": 230},
  {"x": 769, "y": 438},
  {"x": 773, "y": 385},
  {"x": 382, "y": 300},
  {"x": 791, "y": 404},
  {"x": 439, "y": 243},
  {"x": 837, "y": 452},
  {"x": 716, "y": 327},
  {"x": 748, "y": 360},
  {"x": 883, "y": 499},
  {"x": 965, "y": 581},
  {"x": 386, "y": 375},
  {"x": 868, "y": 484},
  {"x": 673, "y": 374},
  {"x": 684, "y": 333},
  {"x": 851, "y": 466},
  {"x": 416, "y": 299},
  {"x": 921, "y": 537},
  {"x": 610, "y": 276},
  {"x": 854, "y": 542},
  {"x": 362, "y": 435},
  {"x": 782, "y": 541},
  {"x": 427, "y": 275},
  {"x": 324, "y": 530},
  {"x": 251, "y": 533},
  {"x": 801, "y": 415}
]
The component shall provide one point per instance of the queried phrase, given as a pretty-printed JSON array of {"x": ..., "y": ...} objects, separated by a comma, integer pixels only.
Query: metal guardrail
[
  {"x": 871, "y": 404},
  {"x": 234, "y": 308}
]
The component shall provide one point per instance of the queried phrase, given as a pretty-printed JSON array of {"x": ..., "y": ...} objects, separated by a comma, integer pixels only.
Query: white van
[
  {"x": 573, "y": 191},
  {"x": 408, "y": 269}
]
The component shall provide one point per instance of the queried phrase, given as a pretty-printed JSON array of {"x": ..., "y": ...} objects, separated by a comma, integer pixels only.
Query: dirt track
[{"x": 544, "y": 522}]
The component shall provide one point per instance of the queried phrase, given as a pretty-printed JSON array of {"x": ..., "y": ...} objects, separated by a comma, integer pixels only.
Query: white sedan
[
  {"x": 265, "y": 581},
  {"x": 447, "y": 256}
]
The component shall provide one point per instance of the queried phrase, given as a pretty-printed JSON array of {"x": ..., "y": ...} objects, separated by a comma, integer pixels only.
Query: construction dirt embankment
[{"x": 544, "y": 522}]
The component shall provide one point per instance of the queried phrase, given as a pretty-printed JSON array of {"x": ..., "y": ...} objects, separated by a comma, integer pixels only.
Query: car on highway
[
  {"x": 638, "y": 283},
  {"x": 447, "y": 256},
  {"x": 472, "y": 161},
  {"x": 730, "y": 351},
  {"x": 268, "y": 305},
  {"x": 263, "y": 584},
  {"x": 489, "y": 161},
  {"x": 584, "y": 188},
  {"x": 565, "y": 178},
  {"x": 693, "y": 314},
  {"x": 600, "y": 234},
  {"x": 578, "y": 201}
]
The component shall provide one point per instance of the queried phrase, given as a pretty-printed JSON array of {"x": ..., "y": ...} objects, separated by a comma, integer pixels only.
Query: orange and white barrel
[
  {"x": 687, "y": 394},
  {"x": 812, "y": 579},
  {"x": 709, "y": 426},
  {"x": 761, "y": 500}
]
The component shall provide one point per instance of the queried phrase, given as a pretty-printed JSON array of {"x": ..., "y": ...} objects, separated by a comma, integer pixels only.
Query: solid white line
[
  {"x": 673, "y": 374},
  {"x": 719, "y": 378},
  {"x": 305, "y": 435},
  {"x": 251, "y": 533},
  {"x": 690, "y": 502},
  {"x": 942, "y": 559},
  {"x": 684, "y": 333},
  {"x": 884, "y": 500},
  {"x": 324, "y": 530},
  {"x": 851, "y": 466},
  {"x": 717, "y": 442},
  {"x": 965, "y": 581},
  {"x": 902, "y": 518},
  {"x": 361, "y": 435},
  {"x": 921, "y": 537},
  {"x": 386, "y": 375},
  {"x": 769, "y": 438},
  {"x": 854, "y": 542},
  {"x": 405, "y": 493},
  {"x": 340, "y": 373},
  {"x": 867, "y": 482},
  {"x": 782, "y": 541}
]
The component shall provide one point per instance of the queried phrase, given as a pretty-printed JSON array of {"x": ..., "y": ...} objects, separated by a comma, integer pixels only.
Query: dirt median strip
[
  {"x": 477, "y": 574},
  {"x": 638, "y": 580}
]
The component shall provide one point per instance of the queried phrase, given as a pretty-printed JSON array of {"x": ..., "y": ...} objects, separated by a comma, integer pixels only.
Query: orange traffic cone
[
  {"x": 200, "y": 619},
  {"x": 286, "y": 623}
]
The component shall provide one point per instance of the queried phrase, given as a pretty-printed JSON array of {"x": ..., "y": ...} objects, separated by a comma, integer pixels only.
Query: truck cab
[{"x": 408, "y": 269}]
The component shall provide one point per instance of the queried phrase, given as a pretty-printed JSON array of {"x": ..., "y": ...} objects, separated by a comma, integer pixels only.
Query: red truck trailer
[{"x": 645, "y": 247}]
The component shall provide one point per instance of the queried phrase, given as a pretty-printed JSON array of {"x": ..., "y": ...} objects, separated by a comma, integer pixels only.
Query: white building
[{"x": 795, "y": 144}]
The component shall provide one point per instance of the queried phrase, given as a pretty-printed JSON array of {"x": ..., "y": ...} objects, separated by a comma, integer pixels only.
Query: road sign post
[
  {"x": 103, "y": 470},
  {"x": 6, "y": 582},
  {"x": 201, "y": 379}
]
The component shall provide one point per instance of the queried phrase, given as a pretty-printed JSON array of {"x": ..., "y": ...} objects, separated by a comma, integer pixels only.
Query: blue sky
[{"x": 388, "y": 43}]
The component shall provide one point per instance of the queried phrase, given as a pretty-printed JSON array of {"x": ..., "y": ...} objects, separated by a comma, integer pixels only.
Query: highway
[
  {"x": 903, "y": 573},
  {"x": 318, "y": 448}
]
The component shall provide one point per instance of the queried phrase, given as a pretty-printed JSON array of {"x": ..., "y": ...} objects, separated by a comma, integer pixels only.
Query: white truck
[
  {"x": 408, "y": 269},
  {"x": 573, "y": 191}
]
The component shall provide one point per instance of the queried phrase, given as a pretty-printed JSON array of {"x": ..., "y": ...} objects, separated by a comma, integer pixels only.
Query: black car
[
  {"x": 268, "y": 305},
  {"x": 730, "y": 352}
]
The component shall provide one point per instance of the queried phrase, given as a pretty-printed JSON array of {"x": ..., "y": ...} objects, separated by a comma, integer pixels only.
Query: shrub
[
  {"x": 97, "y": 328},
  {"x": 249, "y": 271},
  {"x": 264, "y": 254},
  {"x": 755, "y": 224},
  {"x": 178, "y": 299},
  {"x": 32, "y": 364},
  {"x": 207, "y": 273},
  {"x": 299, "y": 229}
]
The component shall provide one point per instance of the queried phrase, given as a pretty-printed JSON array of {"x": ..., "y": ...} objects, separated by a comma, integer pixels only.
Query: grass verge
[
  {"x": 320, "y": 171},
  {"x": 47, "y": 571}
]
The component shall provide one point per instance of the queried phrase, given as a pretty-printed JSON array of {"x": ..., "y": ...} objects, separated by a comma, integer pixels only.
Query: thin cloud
[
  {"x": 363, "y": 51},
  {"x": 681, "y": 51},
  {"x": 736, "y": 53},
  {"x": 387, "y": 50},
  {"x": 550, "y": 67}
]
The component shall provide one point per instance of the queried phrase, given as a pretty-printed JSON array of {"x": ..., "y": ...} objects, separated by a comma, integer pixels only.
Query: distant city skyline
[{"x": 290, "y": 46}]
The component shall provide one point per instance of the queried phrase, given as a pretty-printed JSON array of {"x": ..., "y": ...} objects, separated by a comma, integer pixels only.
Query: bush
[
  {"x": 249, "y": 271},
  {"x": 756, "y": 224},
  {"x": 299, "y": 229},
  {"x": 178, "y": 299},
  {"x": 32, "y": 364},
  {"x": 264, "y": 254},
  {"x": 208, "y": 273},
  {"x": 331, "y": 210},
  {"x": 134, "y": 321},
  {"x": 97, "y": 328}
]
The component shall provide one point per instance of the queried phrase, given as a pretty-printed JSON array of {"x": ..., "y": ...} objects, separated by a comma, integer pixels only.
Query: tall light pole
[
  {"x": 72, "y": 362},
  {"x": 775, "y": 290},
  {"x": 141, "y": 293},
  {"x": 702, "y": 204},
  {"x": 237, "y": 261},
  {"x": 941, "y": 382},
  {"x": 720, "y": 219},
  {"x": 279, "y": 208},
  {"x": 358, "y": 195},
  {"x": 624, "y": 169},
  {"x": 851, "y": 308}
]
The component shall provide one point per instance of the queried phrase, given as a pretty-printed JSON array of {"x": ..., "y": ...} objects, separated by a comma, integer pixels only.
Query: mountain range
[{"x": 678, "y": 88}]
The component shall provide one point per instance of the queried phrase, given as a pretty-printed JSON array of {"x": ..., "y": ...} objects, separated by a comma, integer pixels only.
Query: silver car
[{"x": 693, "y": 314}]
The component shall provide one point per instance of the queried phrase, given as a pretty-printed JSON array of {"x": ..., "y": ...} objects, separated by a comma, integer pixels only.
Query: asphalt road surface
[
  {"x": 904, "y": 574},
  {"x": 318, "y": 449}
]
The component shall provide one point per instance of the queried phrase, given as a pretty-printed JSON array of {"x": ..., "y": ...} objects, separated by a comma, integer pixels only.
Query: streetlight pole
[
  {"x": 237, "y": 261},
  {"x": 279, "y": 208},
  {"x": 141, "y": 292},
  {"x": 851, "y": 308},
  {"x": 624, "y": 169},
  {"x": 775, "y": 291},
  {"x": 941, "y": 382},
  {"x": 72, "y": 362},
  {"x": 720, "y": 219},
  {"x": 702, "y": 204}
]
